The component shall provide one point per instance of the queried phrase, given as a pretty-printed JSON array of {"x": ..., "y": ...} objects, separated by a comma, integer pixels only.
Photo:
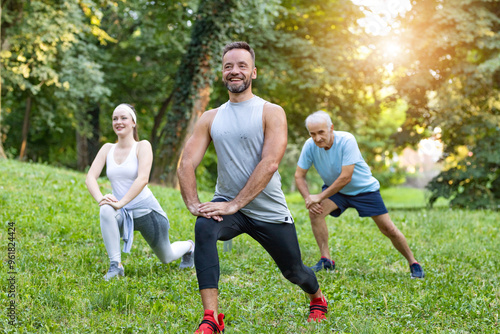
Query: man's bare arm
[
  {"x": 193, "y": 153},
  {"x": 343, "y": 179},
  {"x": 301, "y": 182}
]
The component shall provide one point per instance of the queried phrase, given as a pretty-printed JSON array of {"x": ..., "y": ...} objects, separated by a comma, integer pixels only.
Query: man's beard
[{"x": 238, "y": 89}]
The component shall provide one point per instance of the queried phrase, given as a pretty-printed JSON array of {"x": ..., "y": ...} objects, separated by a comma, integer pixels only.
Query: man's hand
[
  {"x": 312, "y": 199},
  {"x": 195, "y": 211},
  {"x": 316, "y": 209},
  {"x": 218, "y": 209}
]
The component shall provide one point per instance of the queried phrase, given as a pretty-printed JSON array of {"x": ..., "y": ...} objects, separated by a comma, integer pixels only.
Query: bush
[{"x": 475, "y": 182}]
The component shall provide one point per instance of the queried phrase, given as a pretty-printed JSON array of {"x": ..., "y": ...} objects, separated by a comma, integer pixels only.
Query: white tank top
[{"x": 123, "y": 175}]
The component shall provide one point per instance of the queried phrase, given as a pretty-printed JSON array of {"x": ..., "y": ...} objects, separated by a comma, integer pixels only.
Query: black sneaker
[
  {"x": 324, "y": 263},
  {"x": 417, "y": 271}
]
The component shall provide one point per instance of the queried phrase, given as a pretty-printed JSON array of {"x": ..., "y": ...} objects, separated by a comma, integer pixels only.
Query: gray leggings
[{"x": 153, "y": 227}]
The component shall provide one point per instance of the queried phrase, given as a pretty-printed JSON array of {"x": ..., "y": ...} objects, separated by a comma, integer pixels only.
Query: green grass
[
  {"x": 409, "y": 198},
  {"x": 60, "y": 261}
]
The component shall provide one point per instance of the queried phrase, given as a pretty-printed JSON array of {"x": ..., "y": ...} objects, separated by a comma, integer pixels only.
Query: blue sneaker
[
  {"x": 417, "y": 271},
  {"x": 324, "y": 263}
]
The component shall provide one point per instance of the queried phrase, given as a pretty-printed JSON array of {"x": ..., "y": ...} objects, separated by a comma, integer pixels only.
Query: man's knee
[
  {"x": 301, "y": 277},
  {"x": 295, "y": 275},
  {"x": 317, "y": 218},
  {"x": 390, "y": 230},
  {"x": 204, "y": 228}
]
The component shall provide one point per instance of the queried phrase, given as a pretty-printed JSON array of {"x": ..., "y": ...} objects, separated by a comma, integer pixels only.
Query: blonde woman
[{"x": 132, "y": 205}]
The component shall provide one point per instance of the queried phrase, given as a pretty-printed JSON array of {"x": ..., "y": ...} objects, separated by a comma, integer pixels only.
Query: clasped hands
[
  {"x": 214, "y": 210},
  {"x": 313, "y": 204},
  {"x": 111, "y": 200}
]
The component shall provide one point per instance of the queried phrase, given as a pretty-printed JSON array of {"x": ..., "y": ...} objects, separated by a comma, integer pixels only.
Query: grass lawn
[{"x": 60, "y": 260}]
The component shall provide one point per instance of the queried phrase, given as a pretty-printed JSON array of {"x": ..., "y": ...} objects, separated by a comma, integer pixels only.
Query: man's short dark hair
[{"x": 239, "y": 45}]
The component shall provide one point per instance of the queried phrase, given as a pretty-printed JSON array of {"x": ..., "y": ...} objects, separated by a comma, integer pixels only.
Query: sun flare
[{"x": 391, "y": 49}]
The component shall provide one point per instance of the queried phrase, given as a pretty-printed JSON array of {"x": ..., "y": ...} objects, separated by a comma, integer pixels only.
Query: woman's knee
[
  {"x": 165, "y": 258},
  {"x": 107, "y": 212},
  {"x": 110, "y": 217}
]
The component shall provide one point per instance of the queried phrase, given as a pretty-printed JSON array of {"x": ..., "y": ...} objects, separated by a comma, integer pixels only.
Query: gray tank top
[{"x": 238, "y": 138}]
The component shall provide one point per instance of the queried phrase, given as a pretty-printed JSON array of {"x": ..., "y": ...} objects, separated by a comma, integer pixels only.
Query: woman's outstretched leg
[{"x": 154, "y": 228}]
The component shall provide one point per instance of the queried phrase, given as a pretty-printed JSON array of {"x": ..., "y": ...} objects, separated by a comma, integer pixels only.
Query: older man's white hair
[{"x": 319, "y": 117}]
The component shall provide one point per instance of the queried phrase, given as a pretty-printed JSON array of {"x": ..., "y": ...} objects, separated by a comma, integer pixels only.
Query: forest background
[{"x": 390, "y": 72}]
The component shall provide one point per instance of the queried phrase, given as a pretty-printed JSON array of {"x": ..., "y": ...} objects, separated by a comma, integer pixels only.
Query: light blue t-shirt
[{"x": 328, "y": 163}]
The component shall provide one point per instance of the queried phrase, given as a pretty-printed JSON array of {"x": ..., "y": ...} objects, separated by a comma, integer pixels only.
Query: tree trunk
[
  {"x": 26, "y": 126},
  {"x": 2, "y": 152},
  {"x": 82, "y": 153},
  {"x": 170, "y": 179},
  {"x": 192, "y": 90},
  {"x": 14, "y": 10},
  {"x": 93, "y": 141},
  {"x": 158, "y": 119},
  {"x": 88, "y": 146}
]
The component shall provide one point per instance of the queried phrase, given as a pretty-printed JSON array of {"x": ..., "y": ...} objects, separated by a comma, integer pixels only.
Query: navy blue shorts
[{"x": 367, "y": 204}]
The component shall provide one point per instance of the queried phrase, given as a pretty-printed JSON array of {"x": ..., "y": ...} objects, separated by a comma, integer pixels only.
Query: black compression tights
[{"x": 279, "y": 240}]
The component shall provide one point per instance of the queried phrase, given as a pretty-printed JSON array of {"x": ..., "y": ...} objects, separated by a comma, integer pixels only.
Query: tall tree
[
  {"x": 450, "y": 77},
  {"x": 214, "y": 21},
  {"x": 152, "y": 37},
  {"x": 11, "y": 14},
  {"x": 317, "y": 57},
  {"x": 46, "y": 65}
]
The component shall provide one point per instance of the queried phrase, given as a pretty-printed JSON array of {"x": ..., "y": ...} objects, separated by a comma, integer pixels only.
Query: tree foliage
[
  {"x": 215, "y": 21},
  {"x": 49, "y": 68},
  {"x": 67, "y": 63},
  {"x": 451, "y": 78},
  {"x": 315, "y": 58}
]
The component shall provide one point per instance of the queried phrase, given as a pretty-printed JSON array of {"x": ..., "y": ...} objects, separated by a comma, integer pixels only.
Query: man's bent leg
[
  {"x": 280, "y": 241},
  {"x": 206, "y": 257},
  {"x": 319, "y": 228},
  {"x": 387, "y": 227}
]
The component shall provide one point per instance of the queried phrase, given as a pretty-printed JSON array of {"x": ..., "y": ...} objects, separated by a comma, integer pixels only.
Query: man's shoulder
[
  {"x": 308, "y": 142},
  {"x": 309, "y": 145},
  {"x": 209, "y": 114},
  {"x": 272, "y": 107},
  {"x": 344, "y": 135},
  {"x": 206, "y": 119}
]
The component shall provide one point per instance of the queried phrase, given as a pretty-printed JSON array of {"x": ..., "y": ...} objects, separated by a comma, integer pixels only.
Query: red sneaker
[
  {"x": 318, "y": 308},
  {"x": 209, "y": 326}
]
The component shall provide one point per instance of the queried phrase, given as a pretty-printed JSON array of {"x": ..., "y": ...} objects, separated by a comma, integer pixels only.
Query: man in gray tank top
[{"x": 250, "y": 137}]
